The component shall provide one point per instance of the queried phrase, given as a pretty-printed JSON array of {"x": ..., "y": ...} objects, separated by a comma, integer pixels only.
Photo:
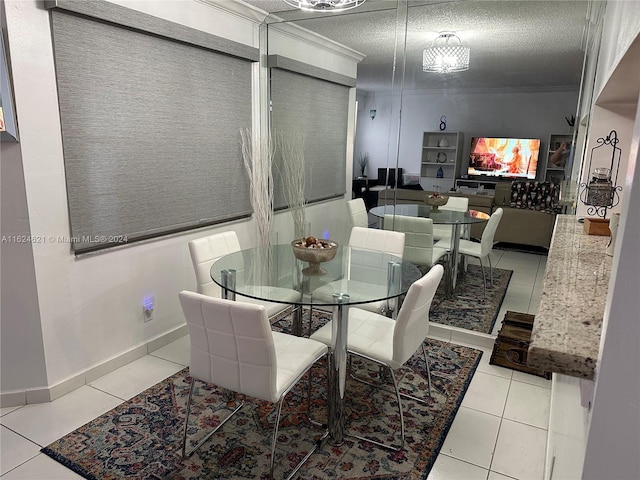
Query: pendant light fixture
[
  {"x": 325, "y": 5},
  {"x": 446, "y": 54}
]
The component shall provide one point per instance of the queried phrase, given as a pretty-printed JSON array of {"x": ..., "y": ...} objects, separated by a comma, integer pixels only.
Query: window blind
[
  {"x": 150, "y": 130},
  {"x": 318, "y": 110}
]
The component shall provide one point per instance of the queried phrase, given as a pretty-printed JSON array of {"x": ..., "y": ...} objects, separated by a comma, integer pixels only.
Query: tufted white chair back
[
  {"x": 358, "y": 213},
  {"x": 412, "y": 324},
  {"x": 459, "y": 204},
  {"x": 376, "y": 240},
  {"x": 486, "y": 241},
  {"x": 204, "y": 251},
  {"x": 418, "y": 231},
  {"x": 231, "y": 345}
]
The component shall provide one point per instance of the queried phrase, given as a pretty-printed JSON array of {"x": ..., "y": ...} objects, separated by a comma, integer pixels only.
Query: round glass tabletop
[
  {"x": 272, "y": 273},
  {"x": 439, "y": 217}
]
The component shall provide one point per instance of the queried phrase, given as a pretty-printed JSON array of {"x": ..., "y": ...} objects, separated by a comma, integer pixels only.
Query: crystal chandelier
[
  {"x": 443, "y": 56},
  {"x": 329, "y": 5}
]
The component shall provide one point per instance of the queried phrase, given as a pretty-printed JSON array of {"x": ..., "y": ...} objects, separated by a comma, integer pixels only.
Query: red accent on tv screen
[{"x": 504, "y": 157}]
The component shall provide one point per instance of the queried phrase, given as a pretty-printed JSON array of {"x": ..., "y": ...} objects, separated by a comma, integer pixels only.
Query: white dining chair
[
  {"x": 206, "y": 250},
  {"x": 358, "y": 213},
  {"x": 457, "y": 204},
  {"x": 361, "y": 271},
  {"x": 233, "y": 347},
  {"x": 480, "y": 250},
  {"x": 418, "y": 243},
  {"x": 391, "y": 343}
]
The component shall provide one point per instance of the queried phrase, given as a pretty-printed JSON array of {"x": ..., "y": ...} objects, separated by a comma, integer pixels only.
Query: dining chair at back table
[
  {"x": 418, "y": 245},
  {"x": 358, "y": 213},
  {"x": 457, "y": 204},
  {"x": 480, "y": 250}
]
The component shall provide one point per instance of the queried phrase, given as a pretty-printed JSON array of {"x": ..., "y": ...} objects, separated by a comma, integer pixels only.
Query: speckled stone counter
[{"x": 567, "y": 326}]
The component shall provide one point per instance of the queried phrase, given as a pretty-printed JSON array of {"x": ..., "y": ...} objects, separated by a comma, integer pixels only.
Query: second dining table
[
  {"x": 270, "y": 273},
  {"x": 441, "y": 216}
]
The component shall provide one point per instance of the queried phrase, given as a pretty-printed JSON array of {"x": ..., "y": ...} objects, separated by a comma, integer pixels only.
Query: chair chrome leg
[
  {"x": 275, "y": 438},
  {"x": 426, "y": 362},
  {"x": 399, "y": 400},
  {"x": 185, "y": 453},
  {"x": 317, "y": 443},
  {"x": 484, "y": 281},
  {"x": 490, "y": 269}
]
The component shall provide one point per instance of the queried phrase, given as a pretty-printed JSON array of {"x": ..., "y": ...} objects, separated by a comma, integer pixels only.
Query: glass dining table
[
  {"x": 440, "y": 217},
  {"x": 271, "y": 273}
]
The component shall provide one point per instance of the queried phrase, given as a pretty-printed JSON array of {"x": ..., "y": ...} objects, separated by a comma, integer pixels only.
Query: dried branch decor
[
  {"x": 258, "y": 164},
  {"x": 292, "y": 171}
]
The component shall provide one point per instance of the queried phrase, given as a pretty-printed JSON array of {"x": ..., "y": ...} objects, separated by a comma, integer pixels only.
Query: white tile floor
[{"x": 499, "y": 432}]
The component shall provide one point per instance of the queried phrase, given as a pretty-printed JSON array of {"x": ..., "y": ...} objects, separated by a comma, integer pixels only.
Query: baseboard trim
[
  {"x": 460, "y": 335},
  {"x": 47, "y": 394}
]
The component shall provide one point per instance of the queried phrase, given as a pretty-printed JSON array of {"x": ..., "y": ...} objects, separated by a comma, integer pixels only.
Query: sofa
[{"x": 529, "y": 210}]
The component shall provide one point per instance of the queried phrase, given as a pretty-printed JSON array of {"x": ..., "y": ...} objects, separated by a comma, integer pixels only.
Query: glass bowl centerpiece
[
  {"x": 436, "y": 200},
  {"x": 315, "y": 251}
]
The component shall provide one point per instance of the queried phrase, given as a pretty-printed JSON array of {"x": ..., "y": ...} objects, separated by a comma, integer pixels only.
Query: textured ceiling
[{"x": 515, "y": 44}]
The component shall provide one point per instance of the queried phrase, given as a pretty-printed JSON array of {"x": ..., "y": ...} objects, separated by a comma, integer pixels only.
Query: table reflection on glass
[
  {"x": 270, "y": 273},
  {"x": 440, "y": 217}
]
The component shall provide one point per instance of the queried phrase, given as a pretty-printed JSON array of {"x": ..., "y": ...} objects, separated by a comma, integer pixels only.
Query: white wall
[
  {"x": 621, "y": 26},
  {"x": 19, "y": 314},
  {"x": 510, "y": 114},
  {"x": 90, "y": 308},
  {"x": 613, "y": 440}
]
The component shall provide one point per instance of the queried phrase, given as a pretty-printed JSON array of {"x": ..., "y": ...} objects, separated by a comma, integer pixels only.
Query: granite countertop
[{"x": 567, "y": 326}]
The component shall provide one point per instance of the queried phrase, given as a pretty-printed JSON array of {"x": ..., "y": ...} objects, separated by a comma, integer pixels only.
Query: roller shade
[
  {"x": 150, "y": 129},
  {"x": 317, "y": 109}
]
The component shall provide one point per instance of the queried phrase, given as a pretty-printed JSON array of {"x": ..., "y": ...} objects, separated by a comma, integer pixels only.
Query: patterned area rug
[
  {"x": 141, "y": 438},
  {"x": 466, "y": 309}
]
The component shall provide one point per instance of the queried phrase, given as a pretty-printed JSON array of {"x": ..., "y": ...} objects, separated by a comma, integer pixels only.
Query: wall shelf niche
[{"x": 441, "y": 152}]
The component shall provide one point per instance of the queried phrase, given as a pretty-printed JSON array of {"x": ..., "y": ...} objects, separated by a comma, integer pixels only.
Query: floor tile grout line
[
  {"x": 22, "y": 435},
  {"x": 110, "y": 394},
  {"x": 19, "y": 465},
  {"x": 151, "y": 354},
  {"x": 463, "y": 461}
]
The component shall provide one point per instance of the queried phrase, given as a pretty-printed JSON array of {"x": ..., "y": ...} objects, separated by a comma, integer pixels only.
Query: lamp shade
[
  {"x": 445, "y": 55},
  {"x": 324, "y": 5}
]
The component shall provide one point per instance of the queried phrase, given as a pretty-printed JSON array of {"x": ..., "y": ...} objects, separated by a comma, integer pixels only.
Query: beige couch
[{"x": 518, "y": 225}]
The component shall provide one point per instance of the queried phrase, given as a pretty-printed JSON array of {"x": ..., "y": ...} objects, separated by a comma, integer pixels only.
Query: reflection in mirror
[{"x": 523, "y": 83}]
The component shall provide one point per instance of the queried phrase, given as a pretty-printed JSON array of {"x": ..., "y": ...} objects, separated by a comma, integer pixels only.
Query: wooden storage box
[
  {"x": 510, "y": 350},
  {"x": 518, "y": 319},
  {"x": 597, "y": 226}
]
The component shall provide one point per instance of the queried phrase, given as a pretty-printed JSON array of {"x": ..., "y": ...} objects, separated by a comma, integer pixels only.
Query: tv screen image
[{"x": 504, "y": 157}]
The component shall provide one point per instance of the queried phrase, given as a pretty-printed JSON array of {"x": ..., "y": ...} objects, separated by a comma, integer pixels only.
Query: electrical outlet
[{"x": 147, "y": 308}]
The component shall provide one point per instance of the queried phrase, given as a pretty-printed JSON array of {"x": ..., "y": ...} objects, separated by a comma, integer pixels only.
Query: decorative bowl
[
  {"x": 315, "y": 253},
  {"x": 435, "y": 202}
]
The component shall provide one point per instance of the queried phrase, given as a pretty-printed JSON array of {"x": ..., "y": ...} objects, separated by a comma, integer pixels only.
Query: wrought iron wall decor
[{"x": 602, "y": 191}]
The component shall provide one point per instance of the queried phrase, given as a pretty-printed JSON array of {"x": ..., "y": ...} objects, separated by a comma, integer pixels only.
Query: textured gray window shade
[
  {"x": 150, "y": 130},
  {"x": 317, "y": 109}
]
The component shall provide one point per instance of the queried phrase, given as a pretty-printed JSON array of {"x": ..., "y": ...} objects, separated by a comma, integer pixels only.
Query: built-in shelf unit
[{"x": 440, "y": 161}]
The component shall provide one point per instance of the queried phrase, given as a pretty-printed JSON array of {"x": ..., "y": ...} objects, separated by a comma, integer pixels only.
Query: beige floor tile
[
  {"x": 487, "y": 393},
  {"x": 528, "y": 404},
  {"x": 472, "y": 437},
  {"x": 520, "y": 451},
  {"x": 448, "y": 468}
]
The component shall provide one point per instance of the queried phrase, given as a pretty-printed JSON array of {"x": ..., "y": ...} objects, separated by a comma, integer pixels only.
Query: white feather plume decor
[
  {"x": 258, "y": 162},
  {"x": 292, "y": 171}
]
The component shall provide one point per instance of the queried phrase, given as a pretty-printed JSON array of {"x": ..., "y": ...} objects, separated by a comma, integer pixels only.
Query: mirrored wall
[{"x": 466, "y": 133}]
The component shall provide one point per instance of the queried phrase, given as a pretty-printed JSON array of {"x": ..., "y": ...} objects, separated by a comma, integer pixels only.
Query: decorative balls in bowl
[
  {"x": 435, "y": 201},
  {"x": 315, "y": 251}
]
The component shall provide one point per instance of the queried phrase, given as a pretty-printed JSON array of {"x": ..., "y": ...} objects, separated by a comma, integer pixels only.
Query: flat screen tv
[{"x": 504, "y": 157}]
